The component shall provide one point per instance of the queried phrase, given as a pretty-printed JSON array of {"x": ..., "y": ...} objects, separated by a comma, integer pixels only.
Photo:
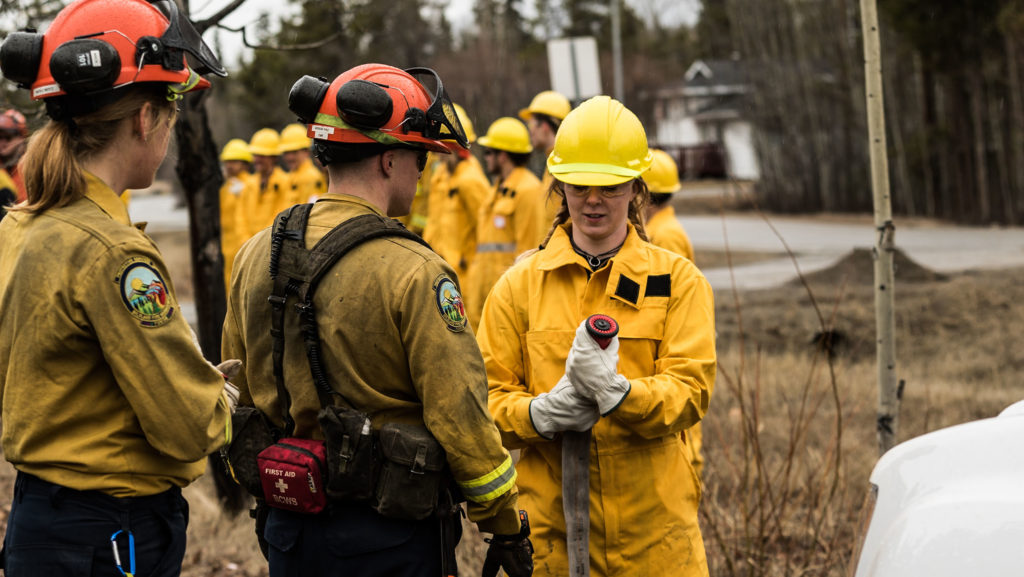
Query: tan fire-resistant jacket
[
  {"x": 395, "y": 343},
  {"x": 510, "y": 222},
  {"x": 643, "y": 490},
  {"x": 102, "y": 386}
]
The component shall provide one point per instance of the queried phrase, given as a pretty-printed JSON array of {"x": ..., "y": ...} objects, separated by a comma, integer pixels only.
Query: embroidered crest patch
[
  {"x": 449, "y": 304},
  {"x": 144, "y": 292}
]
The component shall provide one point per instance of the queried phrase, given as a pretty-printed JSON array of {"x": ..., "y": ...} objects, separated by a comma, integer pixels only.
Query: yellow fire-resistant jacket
[
  {"x": 437, "y": 189},
  {"x": 664, "y": 230},
  {"x": 307, "y": 185},
  {"x": 262, "y": 204},
  {"x": 643, "y": 490},
  {"x": 510, "y": 222},
  {"x": 102, "y": 386},
  {"x": 386, "y": 347},
  {"x": 453, "y": 234},
  {"x": 233, "y": 226}
]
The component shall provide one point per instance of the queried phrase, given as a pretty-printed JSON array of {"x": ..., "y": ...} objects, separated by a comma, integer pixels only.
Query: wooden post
[{"x": 888, "y": 393}]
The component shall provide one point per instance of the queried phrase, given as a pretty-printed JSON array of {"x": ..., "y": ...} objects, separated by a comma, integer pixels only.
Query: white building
[{"x": 701, "y": 119}]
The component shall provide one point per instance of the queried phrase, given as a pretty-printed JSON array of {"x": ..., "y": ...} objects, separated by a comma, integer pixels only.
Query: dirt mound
[{"x": 858, "y": 267}]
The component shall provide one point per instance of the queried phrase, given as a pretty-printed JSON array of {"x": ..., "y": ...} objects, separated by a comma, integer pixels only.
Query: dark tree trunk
[{"x": 201, "y": 178}]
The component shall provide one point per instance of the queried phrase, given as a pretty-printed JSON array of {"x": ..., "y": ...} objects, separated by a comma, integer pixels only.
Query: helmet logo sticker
[
  {"x": 449, "y": 304},
  {"x": 144, "y": 292},
  {"x": 321, "y": 132}
]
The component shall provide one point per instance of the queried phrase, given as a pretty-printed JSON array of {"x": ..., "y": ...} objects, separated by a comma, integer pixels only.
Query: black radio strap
[{"x": 297, "y": 271}]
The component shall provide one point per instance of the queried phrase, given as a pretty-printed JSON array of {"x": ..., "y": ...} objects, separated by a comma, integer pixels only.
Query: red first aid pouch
[{"x": 292, "y": 475}]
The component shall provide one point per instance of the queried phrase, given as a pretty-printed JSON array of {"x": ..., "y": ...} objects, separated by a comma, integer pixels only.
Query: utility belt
[{"x": 400, "y": 470}]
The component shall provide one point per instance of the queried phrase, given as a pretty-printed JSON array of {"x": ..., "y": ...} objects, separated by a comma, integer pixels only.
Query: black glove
[{"x": 513, "y": 553}]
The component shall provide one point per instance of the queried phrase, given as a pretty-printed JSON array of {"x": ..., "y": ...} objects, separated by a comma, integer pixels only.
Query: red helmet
[
  {"x": 95, "y": 46},
  {"x": 377, "y": 103},
  {"x": 13, "y": 122}
]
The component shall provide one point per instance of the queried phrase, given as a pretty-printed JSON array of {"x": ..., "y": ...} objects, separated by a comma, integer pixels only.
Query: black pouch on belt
[
  {"x": 251, "y": 434},
  {"x": 352, "y": 463},
  {"x": 412, "y": 472}
]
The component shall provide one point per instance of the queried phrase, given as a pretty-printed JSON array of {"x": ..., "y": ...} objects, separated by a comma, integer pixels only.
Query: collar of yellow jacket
[
  {"x": 349, "y": 199},
  {"x": 108, "y": 200},
  {"x": 666, "y": 213},
  {"x": 627, "y": 277}
]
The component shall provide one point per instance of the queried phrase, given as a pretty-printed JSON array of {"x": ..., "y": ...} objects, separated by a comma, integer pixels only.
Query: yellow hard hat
[
  {"x": 293, "y": 137},
  {"x": 508, "y": 134},
  {"x": 467, "y": 126},
  {"x": 663, "y": 177},
  {"x": 548, "y": 102},
  {"x": 600, "y": 143},
  {"x": 236, "y": 149},
  {"x": 265, "y": 142}
]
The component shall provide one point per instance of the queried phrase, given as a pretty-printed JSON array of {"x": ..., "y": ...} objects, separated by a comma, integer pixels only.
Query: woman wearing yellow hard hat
[
  {"x": 307, "y": 182},
  {"x": 542, "y": 118},
  {"x": 259, "y": 209},
  {"x": 640, "y": 395}
]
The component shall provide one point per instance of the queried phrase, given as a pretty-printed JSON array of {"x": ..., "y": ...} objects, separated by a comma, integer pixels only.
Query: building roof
[{"x": 711, "y": 73}]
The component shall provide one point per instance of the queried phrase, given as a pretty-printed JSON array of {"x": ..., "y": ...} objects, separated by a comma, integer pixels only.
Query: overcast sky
[{"x": 459, "y": 14}]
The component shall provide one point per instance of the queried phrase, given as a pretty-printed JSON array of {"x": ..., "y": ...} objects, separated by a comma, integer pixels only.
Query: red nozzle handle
[{"x": 602, "y": 328}]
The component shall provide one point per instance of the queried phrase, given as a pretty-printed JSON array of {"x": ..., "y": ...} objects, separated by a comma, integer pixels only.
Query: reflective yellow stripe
[
  {"x": 492, "y": 485},
  {"x": 228, "y": 433}
]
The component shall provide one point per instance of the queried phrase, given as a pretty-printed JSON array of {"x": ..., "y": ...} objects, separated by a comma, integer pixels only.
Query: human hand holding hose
[{"x": 592, "y": 366}]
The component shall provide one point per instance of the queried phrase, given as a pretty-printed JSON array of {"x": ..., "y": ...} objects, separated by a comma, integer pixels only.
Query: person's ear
[
  {"x": 387, "y": 162},
  {"x": 142, "y": 122}
]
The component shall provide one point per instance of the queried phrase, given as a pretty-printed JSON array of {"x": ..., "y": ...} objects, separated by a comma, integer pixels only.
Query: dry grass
[{"x": 790, "y": 438}]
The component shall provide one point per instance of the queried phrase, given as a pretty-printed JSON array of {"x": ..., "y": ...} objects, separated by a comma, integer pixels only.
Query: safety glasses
[
  {"x": 441, "y": 112},
  {"x": 182, "y": 36},
  {"x": 605, "y": 191}
]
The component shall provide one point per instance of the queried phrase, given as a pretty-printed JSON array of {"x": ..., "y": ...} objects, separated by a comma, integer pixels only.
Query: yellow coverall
[
  {"x": 644, "y": 492},
  {"x": 453, "y": 234},
  {"x": 307, "y": 184},
  {"x": 510, "y": 222},
  {"x": 384, "y": 339},
  {"x": 102, "y": 386},
  {"x": 233, "y": 227},
  {"x": 261, "y": 205}
]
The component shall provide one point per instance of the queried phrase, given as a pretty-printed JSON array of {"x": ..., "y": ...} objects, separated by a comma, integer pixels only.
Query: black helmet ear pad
[
  {"x": 20, "y": 56},
  {"x": 306, "y": 96},
  {"x": 364, "y": 104},
  {"x": 85, "y": 65}
]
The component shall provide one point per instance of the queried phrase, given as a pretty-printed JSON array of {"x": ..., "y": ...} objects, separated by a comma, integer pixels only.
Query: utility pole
[
  {"x": 617, "y": 51},
  {"x": 888, "y": 388}
]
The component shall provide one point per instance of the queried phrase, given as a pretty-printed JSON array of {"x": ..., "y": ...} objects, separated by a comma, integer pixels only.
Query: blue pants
[
  {"x": 56, "y": 531},
  {"x": 352, "y": 539}
]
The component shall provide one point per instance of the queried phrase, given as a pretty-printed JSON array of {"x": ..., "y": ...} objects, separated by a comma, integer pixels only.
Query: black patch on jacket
[
  {"x": 628, "y": 289},
  {"x": 659, "y": 285},
  {"x": 453, "y": 191}
]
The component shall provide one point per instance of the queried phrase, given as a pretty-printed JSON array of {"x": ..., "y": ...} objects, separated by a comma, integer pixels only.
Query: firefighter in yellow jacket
[
  {"x": 451, "y": 230},
  {"x": 273, "y": 183},
  {"x": 664, "y": 230},
  {"x": 392, "y": 334},
  {"x": 512, "y": 219},
  {"x": 239, "y": 184},
  {"x": 652, "y": 383},
  {"x": 307, "y": 182},
  {"x": 543, "y": 117},
  {"x": 108, "y": 406}
]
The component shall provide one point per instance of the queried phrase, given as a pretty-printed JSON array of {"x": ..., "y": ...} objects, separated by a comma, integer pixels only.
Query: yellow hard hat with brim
[
  {"x": 236, "y": 149},
  {"x": 549, "y": 102},
  {"x": 508, "y": 134},
  {"x": 663, "y": 177},
  {"x": 600, "y": 143}
]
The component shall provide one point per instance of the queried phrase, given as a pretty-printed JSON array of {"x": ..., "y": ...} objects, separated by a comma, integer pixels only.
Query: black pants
[
  {"x": 56, "y": 531},
  {"x": 352, "y": 539}
]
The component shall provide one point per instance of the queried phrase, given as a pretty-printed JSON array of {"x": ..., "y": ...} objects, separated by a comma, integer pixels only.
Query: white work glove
[
  {"x": 229, "y": 369},
  {"x": 594, "y": 371},
  {"x": 562, "y": 409}
]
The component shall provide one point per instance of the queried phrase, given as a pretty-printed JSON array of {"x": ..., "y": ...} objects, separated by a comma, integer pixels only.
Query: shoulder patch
[
  {"x": 449, "y": 303},
  {"x": 144, "y": 292}
]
